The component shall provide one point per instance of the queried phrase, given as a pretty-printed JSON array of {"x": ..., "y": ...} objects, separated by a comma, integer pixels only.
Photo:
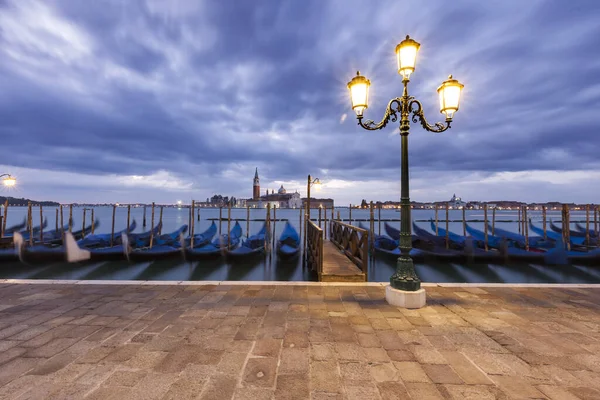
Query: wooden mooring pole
[
  {"x": 160, "y": 220},
  {"x": 5, "y": 216},
  {"x": 587, "y": 224},
  {"x": 526, "y": 228},
  {"x": 93, "y": 222},
  {"x": 436, "y": 220},
  {"x": 325, "y": 222},
  {"x": 190, "y": 228},
  {"x": 300, "y": 222},
  {"x": 128, "y": 218},
  {"x": 485, "y": 222},
  {"x": 56, "y": 221},
  {"x": 70, "y": 217},
  {"x": 519, "y": 219},
  {"x": 595, "y": 224},
  {"x": 30, "y": 225},
  {"x": 144, "y": 218},
  {"x": 228, "y": 224},
  {"x": 568, "y": 230},
  {"x": 220, "y": 218},
  {"x": 372, "y": 227},
  {"x": 379, "y": 219},
  {"x": 83, "y": 223},
  {"x": 41, "y": 224},
  {"x": 62, "y": 226},
  {"x": 268, "y": 235},
  {"x": 275, "y": 223},
  {"x": 494, "y": 221},
  {"x": 112, "y": 231},
  {"x": 544, "y": 221},
  {"x": 464, "y": 222},
  {"x": 447, "y": 225},
  {"x": 152, "y": 226},
  {"x": 247, "y": 221}
]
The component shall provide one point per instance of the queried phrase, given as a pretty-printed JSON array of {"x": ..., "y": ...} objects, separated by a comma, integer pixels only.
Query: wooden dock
[{"x": 337, "y": 267}]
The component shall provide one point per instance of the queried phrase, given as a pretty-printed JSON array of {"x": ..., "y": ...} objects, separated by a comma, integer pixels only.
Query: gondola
[
  {"x": 533, "y": 241},
  {"x": 203, "y": 238},
  {"x": 15, "y": 228},
  {"x": 572, "y": 233},
  {"x": 165, "y": 248},
  {"x": 76, "y": 253},
  {"x": 103, "y": 239},
  {"x": 162, "y": 240},
  {"x": 35, "y": 231},
  {"x": 550, "y": 234},
  {"x": 288, "y": 245},
  {"x": 253, "y": 246},
  {"x": 581, "y": 228},
  {"x": 218, "y": 246}
]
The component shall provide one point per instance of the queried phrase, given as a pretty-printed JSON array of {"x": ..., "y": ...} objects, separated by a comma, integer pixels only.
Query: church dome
[{"x": 281, "y": 190}]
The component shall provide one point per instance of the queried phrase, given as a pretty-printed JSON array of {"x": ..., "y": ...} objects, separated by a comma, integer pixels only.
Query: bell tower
[{"x": 256, "y": 186}]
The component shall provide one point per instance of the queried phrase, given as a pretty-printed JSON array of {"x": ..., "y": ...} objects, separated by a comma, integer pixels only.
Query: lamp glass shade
[
  {"x": 406, "y": 54},
  {"x": 9, "y": 181},
  {"x": 359, "y": 93},
  {"x": 449, "y": 94}
]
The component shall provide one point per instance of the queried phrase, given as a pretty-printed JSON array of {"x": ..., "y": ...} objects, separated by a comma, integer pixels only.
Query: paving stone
[
  {"x": 292, "y": 387},
  {"x": 411, "y": 372},
  {"x": 324, "y": 377},
  {"x": 125, "y": 378},
  {"x": 517, "y": 387},
  {"x": 423, "y": 391},
  {"x": 293, "y": 361},
  {"x": 470, "y": 392},
  {"x": 267, "y": 347},
  {"x": 440, "y": 373},
  {"x": 260, "y": 372}
]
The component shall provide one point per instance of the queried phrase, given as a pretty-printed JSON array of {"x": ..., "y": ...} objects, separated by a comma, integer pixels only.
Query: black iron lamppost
[
  {"x": 405, "y": 286},
  {"x": 9, "y": 180}
]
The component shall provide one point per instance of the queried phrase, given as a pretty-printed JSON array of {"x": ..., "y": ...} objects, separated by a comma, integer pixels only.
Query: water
[{"x": 270, "y": 268}]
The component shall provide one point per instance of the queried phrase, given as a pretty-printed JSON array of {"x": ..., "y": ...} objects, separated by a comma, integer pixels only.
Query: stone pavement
[{"x": 61, "y": 341}]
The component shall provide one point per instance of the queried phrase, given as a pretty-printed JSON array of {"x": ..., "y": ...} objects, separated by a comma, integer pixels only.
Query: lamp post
[
  {"x": 9, "y": 181},
  {"x": 309, "y": 183},
  {"x": 405, "y": 286}
]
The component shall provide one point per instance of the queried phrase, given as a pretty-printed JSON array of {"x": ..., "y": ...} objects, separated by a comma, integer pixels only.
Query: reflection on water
[{"x": 269, "y": 268}]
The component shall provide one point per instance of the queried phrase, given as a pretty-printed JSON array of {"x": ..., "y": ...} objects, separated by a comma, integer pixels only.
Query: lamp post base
[{"x": 403, "y": 298}]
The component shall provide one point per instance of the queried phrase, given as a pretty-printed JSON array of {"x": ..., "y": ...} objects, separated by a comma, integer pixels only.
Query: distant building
[{"x": 281, "y": 199}]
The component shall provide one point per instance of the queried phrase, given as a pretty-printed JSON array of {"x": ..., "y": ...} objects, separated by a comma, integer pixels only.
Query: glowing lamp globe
[
  {"x": 449, "y": 94},
  {"x": 359, "y": 93},
  {"x": 406, "y": 54},
  {"x": 9, "y": 181}
]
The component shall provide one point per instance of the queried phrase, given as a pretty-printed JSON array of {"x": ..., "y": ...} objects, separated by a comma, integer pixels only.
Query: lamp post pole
[
  {"x": 405, "y": 278},
  {"x": 309, "y": 183}
]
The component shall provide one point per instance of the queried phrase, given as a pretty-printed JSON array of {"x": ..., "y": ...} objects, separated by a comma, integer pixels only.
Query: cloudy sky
[{"x": 155, "y": 100}]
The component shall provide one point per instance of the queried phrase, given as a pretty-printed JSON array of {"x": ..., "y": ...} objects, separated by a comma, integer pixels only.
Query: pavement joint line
[{"x": 286, "y": 283}]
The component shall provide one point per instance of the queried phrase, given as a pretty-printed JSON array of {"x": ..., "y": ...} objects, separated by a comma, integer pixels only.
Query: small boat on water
[
  {"x": 203, "y": 238},
  {"x": 572, "y": 233},
  {"x": 581, "y": 228},
  {"x": 15, "y": 228},
  {"x": 103, "y": 239},
  {"x": 162, "y": 240},
  {"x": 253, "y": 246},
  {"x": 551, "y": 235},
  {"x": 166, "y": 247},
  {"x": 288, "y": 245},
  {"x": 218, "y": 246}
]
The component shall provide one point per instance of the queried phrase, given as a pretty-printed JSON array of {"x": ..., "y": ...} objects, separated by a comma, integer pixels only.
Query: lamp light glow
[
  {"x": 449, "y": 94},
  {"x": 359, "y": 93},
  {"x": 9, "y": 181},
  {"x": 406, "y": 54}
]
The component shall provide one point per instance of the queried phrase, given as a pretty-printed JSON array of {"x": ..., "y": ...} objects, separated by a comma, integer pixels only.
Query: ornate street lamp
[
  {"x": 405, "y": 286},
  {"x": 9, "y": 181}
]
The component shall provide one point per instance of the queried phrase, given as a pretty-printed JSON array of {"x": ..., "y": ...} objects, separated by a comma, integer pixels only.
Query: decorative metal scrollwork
[
  {"x": 391, "y": 114},
  {"x": 419, "y": 117}
]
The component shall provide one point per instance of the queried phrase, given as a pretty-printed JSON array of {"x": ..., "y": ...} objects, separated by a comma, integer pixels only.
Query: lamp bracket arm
[
  {"x": 418, "y": 116},
  {"x": 391, "y": 114},
  {"x": 4, "y": 175}
]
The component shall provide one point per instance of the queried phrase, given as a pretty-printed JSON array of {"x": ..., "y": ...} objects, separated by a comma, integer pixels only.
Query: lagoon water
[{"x": 270, "y": 268}]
